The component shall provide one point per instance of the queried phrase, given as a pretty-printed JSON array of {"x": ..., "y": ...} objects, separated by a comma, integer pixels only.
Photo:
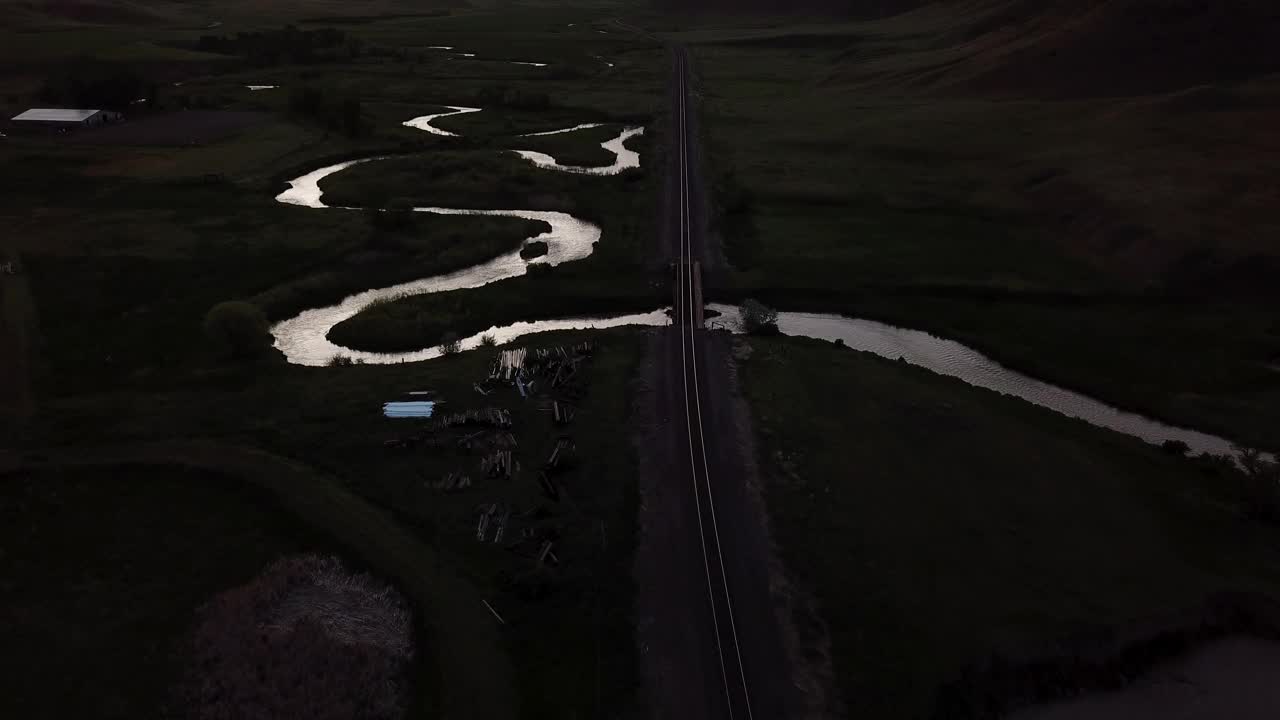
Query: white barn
[{"x": 65, "y": 117}]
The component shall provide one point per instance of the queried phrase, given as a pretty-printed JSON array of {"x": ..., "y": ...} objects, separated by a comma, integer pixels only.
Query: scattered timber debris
[
  {"x": 509, "y": 363},
  {"x": 548, "y": 487},
  {"x": 561, "y": 452},
  {"x": 482, "y": 525},
  {"x": 451, "y": 482},
  {"x": 562, "y": 413},
  {"x": 499, "y": 465},
  {"x": 545, "y": 554},
  {"x": 492, "y": 515},
  {"x": 555, "y": 380},
  {"x": 502, "y": 526},
  {"x": 495, "y": 612}
]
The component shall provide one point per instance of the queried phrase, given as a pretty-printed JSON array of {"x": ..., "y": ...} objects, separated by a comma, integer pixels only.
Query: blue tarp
[{"x": 408, "y": 409}]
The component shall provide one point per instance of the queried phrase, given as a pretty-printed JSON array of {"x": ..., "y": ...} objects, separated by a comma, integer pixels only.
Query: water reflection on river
[{"x": 950, "y": 358}]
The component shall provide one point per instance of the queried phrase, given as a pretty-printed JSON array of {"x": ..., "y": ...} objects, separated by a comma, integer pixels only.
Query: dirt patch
[{"x": 187, "y": 127}]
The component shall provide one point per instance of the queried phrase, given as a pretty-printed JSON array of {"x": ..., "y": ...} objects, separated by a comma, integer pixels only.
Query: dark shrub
[
  {"x": 534, "y": 249},
  {"x": 1262, "y": 485},
  {"x": 238, "y": 330},
  {"x": 450, "y": 344},
  {"x": 759, "y": 319}
]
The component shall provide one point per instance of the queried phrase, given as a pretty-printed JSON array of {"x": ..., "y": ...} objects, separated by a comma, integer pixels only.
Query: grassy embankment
[
  {"x": 1116, "y": 244},
  {"x": 958, "y": 523}
]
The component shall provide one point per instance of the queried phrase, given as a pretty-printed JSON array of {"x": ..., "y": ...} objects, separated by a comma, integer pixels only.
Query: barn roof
[{"x": 56, "y": 115}]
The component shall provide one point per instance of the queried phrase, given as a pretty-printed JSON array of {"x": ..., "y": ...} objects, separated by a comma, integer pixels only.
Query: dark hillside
[
  {"x": 845, "y": 8},
  {"x": 1123, "y": 47}
]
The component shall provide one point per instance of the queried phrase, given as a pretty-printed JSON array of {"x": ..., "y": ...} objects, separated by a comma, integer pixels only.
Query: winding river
[
  {"x": 948, "y": 357},
  {"x": 304, "y": 338}
]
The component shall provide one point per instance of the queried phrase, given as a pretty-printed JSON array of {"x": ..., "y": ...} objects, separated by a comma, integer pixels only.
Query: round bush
[{"x": 238, "y": 330}]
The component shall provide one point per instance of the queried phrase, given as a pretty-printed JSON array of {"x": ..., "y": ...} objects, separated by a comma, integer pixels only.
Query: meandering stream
[
  {"x": 950, "y": 358},
  {"x": 304, "y": 338}
]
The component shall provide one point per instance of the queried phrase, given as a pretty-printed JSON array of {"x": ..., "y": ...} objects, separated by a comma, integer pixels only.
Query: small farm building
[{"x": 65, "y": 117}]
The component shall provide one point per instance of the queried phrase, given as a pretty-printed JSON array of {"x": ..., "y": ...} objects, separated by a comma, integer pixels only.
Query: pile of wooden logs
[
  {"x": 499, "y": 465},
  {"x": 490, "y": 417},
  {"x": 508, "y": 364}
]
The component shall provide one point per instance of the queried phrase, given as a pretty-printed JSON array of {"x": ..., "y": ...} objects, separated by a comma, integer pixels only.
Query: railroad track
[{"x": 689, "y": 324}]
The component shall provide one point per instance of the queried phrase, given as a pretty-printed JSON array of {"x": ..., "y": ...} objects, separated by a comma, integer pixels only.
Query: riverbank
[{"x": 972, "y": 521}]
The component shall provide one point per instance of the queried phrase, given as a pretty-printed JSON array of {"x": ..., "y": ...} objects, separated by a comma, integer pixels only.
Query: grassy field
[
  {"x": 126, "y": 242},
  {"x": 17, "y": 332},
  {"x": 105, "y": 568},
  {"x": 957, "y": 522},
  {"x": 331, "y": 418},
  {"x": 862, "y": 167}
]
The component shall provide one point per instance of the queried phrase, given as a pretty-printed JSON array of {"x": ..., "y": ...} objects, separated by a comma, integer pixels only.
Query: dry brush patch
[{"x": 306, "y": 638}]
